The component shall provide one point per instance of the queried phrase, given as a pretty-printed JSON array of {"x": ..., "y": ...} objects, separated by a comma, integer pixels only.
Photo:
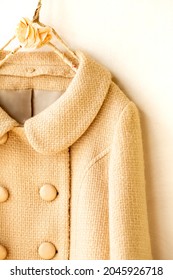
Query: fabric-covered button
[
  {"x": 47, "y": 251},
  {"x": 48, "y": 192},
  {"x": 3, "y": 252},
  {"x": 3, "y": 194},
  {"x": 3, "y": 139}
]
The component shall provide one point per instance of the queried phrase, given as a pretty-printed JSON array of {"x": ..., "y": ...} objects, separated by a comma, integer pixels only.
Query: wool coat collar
[{"x": 63, "y": 122}]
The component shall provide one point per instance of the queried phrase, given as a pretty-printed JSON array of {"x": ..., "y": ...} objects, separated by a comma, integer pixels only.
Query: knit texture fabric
[{"x": 88, "y": 145}]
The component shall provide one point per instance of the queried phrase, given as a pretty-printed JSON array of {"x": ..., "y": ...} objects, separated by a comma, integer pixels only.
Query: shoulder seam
[
  {"x": 122, "y": 112},
  {"x": 106, "y": 150}
]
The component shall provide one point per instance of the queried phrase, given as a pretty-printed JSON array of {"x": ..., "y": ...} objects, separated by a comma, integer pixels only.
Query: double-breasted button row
[
  {"x": 3, "y": 139},
  {"x": 46, "y": 251},
  {"x": 48, "y": 193}
]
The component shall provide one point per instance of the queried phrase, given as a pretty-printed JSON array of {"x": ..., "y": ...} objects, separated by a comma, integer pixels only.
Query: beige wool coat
[{"x": 72, "y": 182}]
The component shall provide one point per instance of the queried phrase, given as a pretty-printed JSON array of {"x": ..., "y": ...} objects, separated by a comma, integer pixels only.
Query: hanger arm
[
  {"x": 36, "y": 19},
  {"x": 45, "y": 41},
  {"x": 10, "y": 54}
]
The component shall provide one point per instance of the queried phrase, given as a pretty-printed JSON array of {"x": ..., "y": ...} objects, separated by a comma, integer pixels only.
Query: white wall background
[{"x": 134, "y": 39}]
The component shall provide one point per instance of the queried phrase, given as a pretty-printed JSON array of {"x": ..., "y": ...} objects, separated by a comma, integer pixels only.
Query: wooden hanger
[{"x": 35, "y": 34}]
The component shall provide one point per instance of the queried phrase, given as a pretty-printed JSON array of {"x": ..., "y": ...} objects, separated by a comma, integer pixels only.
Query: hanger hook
[{"x": 37, "y": 11}]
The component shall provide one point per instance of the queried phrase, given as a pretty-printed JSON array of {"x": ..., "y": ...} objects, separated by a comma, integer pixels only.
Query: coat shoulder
[
  {"x": 116, "y": 102},
  {"x": 119, "y": 98}
]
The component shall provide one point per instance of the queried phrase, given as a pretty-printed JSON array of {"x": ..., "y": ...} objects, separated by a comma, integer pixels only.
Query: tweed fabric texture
[{"x": 88, "y": 145}]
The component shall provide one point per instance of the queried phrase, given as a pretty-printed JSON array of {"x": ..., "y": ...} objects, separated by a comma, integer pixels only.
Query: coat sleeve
[{"x": 128, "y": 221}]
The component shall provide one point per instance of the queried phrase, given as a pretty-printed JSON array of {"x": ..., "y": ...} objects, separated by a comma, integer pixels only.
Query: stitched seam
[
  {"x": 123, "y": 110},
  {"x": 94, "y": 160},
  {"x": 100, "y": 156},
  {"x": 106, "y": 150}
]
